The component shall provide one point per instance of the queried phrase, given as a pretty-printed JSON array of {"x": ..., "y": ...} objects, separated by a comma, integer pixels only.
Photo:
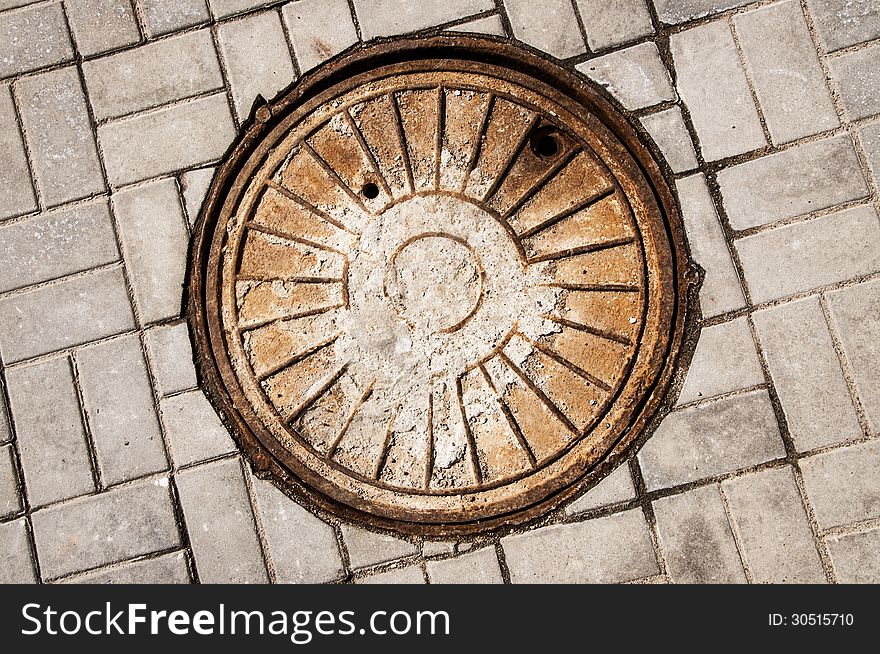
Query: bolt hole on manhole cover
[{"x": 440, "y": 287}]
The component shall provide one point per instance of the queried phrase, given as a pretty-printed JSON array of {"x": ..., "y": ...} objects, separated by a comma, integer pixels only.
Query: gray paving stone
[
  {"x": 855, "y": 557},
  {"x": 194, "y": 431},
  {"x": 367, "y": 548},
  {"x": 93, "y": 531},
  {"x": 725, "y": 360},
  {"x": 152, "y": 229},
  {"x": 615, "y": 488},
  {"x": 679, "y": 11},
  {"x": 612, "y": 22},
  {"x": 223, "y": 8},
  {"x": 165, "y": 16},
  {"x": 170, "y": 353},
  {"x": 257, "y": 59},
  {"x": 70, "y": 312},
  {"x": 785, "y": 70},
  {"x": 168, "y": 139},
  {"x": 55, "y": 244},
  {"x": 636, "y": 76},
  {"x": 806, "y": 374},
  {"x": 713, "y": 85},
  {"x": 842, "y": 23},
  {"x": 478, "y": 567},
  {"x": 12, "y": 4},
  {"x": 612, "y": 549},
  {"x": 870, "y": 136},
  {"x": 57, "y": 128},
  {"x": 714, "y": 438},
  {"x": 165, "y": 569},
  {"x": 18, "y": 196},
  {"x": 669, "y": 132},
  {"x": 798, "y": 180},
  {"x": 411, "y": 574},
  {"x": 153, "y": 74},
  {"x": 390, "y": 17},
  {"x": 32, "y": 38},
  {"x": 194, "y": 185},
  {"x": 220, "y": 523},
  {"x": 721, "y": 290},
  {"x": 10, "y": 500},
  {"x": 855, "y": 313},
  {"x": 101, "y": 25},
  {"x": 842, "y": 484},
  {"x": 16, "y": 566},
  {"x": 51, "y": 440},
  {"x": 696, "y": 539},
  {"x": 119, "y": 405},
  {"x": 301, "y": 546},
  {"x": 857, "y": 78},
  {"x": 488, "y": 25},
  {"x": 551, "y": 27},
  {"x": 809, "y": 254},
  {"x": 437, "y": 548},
  {"x": 5, "y": 431},
  {"x": 318, "y": 29}
]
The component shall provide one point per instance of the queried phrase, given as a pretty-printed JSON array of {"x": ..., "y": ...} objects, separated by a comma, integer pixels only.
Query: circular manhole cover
[{"x": 438, "y": 286}]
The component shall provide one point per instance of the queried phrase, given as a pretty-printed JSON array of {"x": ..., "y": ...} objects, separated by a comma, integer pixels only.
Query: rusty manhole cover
[{"x": 438, "y": 286}]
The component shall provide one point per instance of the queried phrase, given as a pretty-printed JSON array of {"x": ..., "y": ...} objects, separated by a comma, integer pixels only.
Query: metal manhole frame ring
[{"x": 203, "y": 308}]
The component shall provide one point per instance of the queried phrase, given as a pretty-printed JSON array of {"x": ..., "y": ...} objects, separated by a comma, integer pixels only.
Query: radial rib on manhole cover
[{"x": 439, "y": 286}]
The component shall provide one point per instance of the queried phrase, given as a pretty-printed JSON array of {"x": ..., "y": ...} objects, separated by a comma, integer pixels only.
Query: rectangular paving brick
[
  {"x": 785, "y": 70},
  {"x": 411, "y": 574},
  {"x": 870, "y": 138},
  {"x": 220, "y": 524},
  {"x": 69, "y": 312},
  {"x": 806, "y": 374},
  {"x": 677, "y": 11},
  {"x": 635, "y": 76},
  {"x": 171, "y": 358},
  {"x": 551, "y": 27},
  {"x": 101, "y": 25},
  {"x": 32, "y": 38},
  {"x": 612, "y": 22},
  {"x": 57, "y": 128},
  {"x": 367, "y": 548},
  {"x": 318, "y": 29},
  {"x": 696, "y": 539},
  {"x": 223, "y": 8},
  {"x": 16, "y": 566},
  {"x": 772, "y": 526},
  {"x": 92, "y": 531},
  {"x": 857, "y": 78},
  {"x": 194, "y": 185},
  {"x": 713, "y": 85},
  {"x": 669, "y": 132},
  {"x": 613, "y": 489},
  {"x": 804, "y": 178},
  {"x": 119, "y": 405},
  {"x": 612, "y": 549},
  {"x": 164, "y": 569},
  {"x": 710, "y": 439},
  {"x": 842, "y": 23},
  {"x": 478, "y": 567},
  {"x": 10, "y": 499},
  {"x": 50, "y": 435},
  {"x": 842, "y": 484},
  {"x": 721, "y": 291},
  {"x": 855, "y": 557},
  {"x": 55, "y": 244},
  {"x": 855, "y": 314},
  {"x": 152, "y": 229},
  {"x": 809, "y": 254},
  {"x": 257, "y": 59},
  {"x": 194, "y": 431},
  {"x": 390, "y": 17},
  {"x": 18, "y": 196},
  {"x": 166, "y": 16},
  {"x": 488, "y": 25}
]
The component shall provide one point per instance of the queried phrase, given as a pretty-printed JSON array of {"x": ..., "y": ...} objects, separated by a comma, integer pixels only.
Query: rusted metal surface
[{"x": 439, "y": 286}]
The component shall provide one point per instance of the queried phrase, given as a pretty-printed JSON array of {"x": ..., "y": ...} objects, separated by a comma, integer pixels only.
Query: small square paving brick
[
  {"x": 165, "y": 16},
  {"x": 119, "y": 524},
  {"x": 16, "y": 566},
  {"x": 367, "y": 548},
  {"x": 57, "y": 128},
  {"x": 55, "y": 244},
  {"x": 164, "y": 569},
  {"x": 194, "y": 431},
  {"x": 714, "y": 438},
  {"x": 390, "y": 17},
  {"x": 810, "y": 254},
  {"x": 806, "y": 374},
  {"x": 318, "y": 29},
  {"x": 713, "y": 85},
  {"x": 777, "y": 542},
  {"x": 870, "y": 136},
  {"x": 49, "y": 430},
  {"x": 785, "y": 70},
  {"x": 119, "y": 405},
  {"x": 257, "y": 59},
  {"x": 605, "y": 550},
  {"x": 636, "y": 77},
  {"x": 842, "y": 484},
  {"x": 70, "y": 312},
  {"x": 612, "y": 22},
  {"x": 842, "y": 23},
  {"x": 857, "y": 77},
  {"x": 153, "y": 74},
  {"x": 669, "y": 132},
  {"x": 613, "y": 489},
  {"x": 33, "y": 37},
  {"x": 855, "y": 557},
  {"x": 164, "y": 140},
  {"x": 220, "y": 524},
  {"x": 408, "y": 575},
  {"x": 302, "y": 547},
  {"x": 696, "y": 539},
  {"x": 677, "y": 11},
  {"x": 154, "y": 238},
  {"x": 478, "y": 567},
  {"x": 855, "y": 313},
  {"x": 171, "y": 358},
  {"x": 10, "y": 500},
  {"x": 488, "y": 25},
  {"x": 101, "y": 25},
  {"x": 18, "y": 191},
  {"x": 551, "y": 27},
  {"x": 798, "y": 180}
]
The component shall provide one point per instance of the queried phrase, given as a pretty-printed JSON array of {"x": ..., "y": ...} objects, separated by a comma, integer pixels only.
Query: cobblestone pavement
[{"x": 113, "y": 465}]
